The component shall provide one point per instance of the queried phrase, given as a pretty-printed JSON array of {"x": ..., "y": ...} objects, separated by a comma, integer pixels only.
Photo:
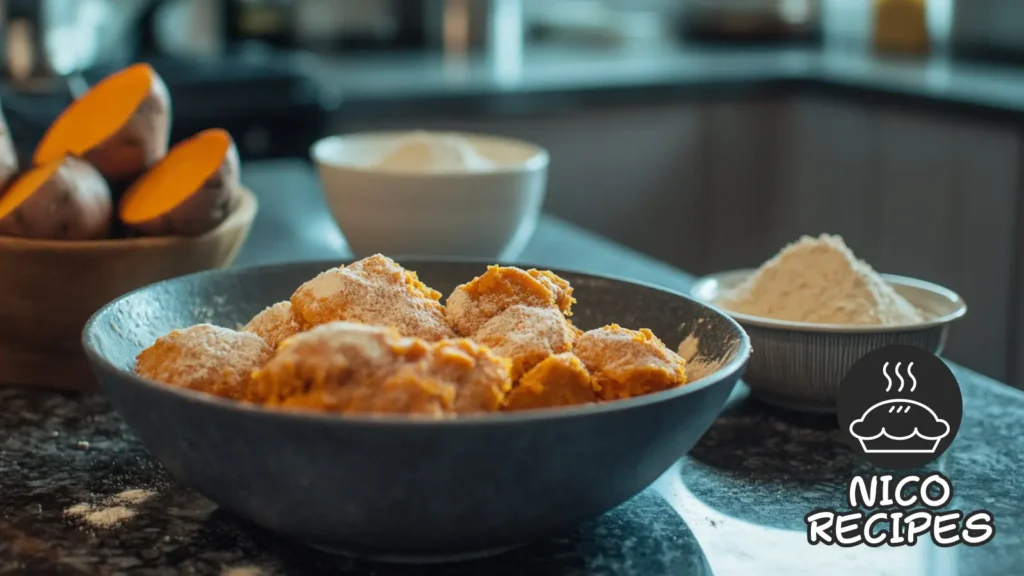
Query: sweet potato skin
[
  {"x": 74, "y": 204},
  {"x": 8, "y": 155},
  {"x": 140, "y": 143},
  {"x": 204, "y": 209}
]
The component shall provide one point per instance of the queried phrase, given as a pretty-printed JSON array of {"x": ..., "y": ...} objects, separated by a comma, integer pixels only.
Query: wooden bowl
[{"x": 50, "y": 288}]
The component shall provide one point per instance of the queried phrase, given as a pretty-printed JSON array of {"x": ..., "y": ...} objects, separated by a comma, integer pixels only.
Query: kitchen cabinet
[
  {"x": 715, "y": 185},
  {"x": 742, "y": 180},
  {"x": 947, "y": 192},
  {"x": 921, "y": 195},
  {"x": 912, "y": 193}
]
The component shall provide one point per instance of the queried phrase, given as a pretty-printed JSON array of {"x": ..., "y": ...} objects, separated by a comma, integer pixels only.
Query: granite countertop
[{"x": 734, "y": 505}]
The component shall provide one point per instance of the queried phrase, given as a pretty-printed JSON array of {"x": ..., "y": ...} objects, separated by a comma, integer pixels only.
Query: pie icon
[
  {"x": 900, "y": 407},
  {"x": 899, "y": 426}
]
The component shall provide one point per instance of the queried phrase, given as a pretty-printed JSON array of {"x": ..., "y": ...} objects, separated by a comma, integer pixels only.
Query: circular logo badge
[{"x": 900, "y": 407}]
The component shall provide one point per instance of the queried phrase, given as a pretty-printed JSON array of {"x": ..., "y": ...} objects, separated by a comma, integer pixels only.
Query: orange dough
[
  {"x": 527, "y": 335},
  {"x": 560, "y": 380},
  {"x": 472, "y": 304},
  {"x": 626, "y": 363},
  {"x": 349, "y": 368},
  {"x": 401, "y": 393},
  {"x": 375, "y": 291},
  {"x": 370, "y": 338},
  {"x": 206, "y": 358},
  {"x": 482, "y": 378},
  {"x": 274, "y": 324},
  {"x": 559, "y": 287},
  {"x": 321, "y": 362}
]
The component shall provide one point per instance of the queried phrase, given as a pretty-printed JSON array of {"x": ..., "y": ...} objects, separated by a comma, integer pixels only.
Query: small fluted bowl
[{"x": 799, "y": 365}]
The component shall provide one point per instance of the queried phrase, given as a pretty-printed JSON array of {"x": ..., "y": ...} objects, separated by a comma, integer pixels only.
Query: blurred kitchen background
[{"x": 707, "y": 133}]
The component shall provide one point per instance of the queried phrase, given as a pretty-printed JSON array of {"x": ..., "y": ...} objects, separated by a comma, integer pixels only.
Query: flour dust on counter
[
  {"x": 243, "y": 571},
  {"x": 108, "y": 517},
  {"x": 134, "y": 496},
  {"x": 115, "y": 512}
]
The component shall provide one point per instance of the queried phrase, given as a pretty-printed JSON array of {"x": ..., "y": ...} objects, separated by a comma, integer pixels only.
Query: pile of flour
[
  {"x": 819, "y": 280},
  {"x": 424, "y": 152}
]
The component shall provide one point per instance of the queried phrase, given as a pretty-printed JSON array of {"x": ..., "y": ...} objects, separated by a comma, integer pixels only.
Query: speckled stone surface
[
  {"x": 759, "y": 470},
  {"x": 734, "y": 506},
  {"x": 45, "y": 468},
  {"x": 738, "y": 500}
]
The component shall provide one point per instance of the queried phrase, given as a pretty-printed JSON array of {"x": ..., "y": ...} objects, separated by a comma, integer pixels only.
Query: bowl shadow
[
  {"x": 771, "y": 466},
  {"x": 663, "y": 544}
]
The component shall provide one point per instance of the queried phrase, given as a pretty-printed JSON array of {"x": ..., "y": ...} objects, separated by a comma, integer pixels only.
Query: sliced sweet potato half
[
  {"x": 190, "y": 191},
  {"x": 121, "y": 125},
  {"x": 64, "y": 199}
]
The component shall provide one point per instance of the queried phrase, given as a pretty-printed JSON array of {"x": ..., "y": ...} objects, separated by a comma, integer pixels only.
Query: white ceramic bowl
[{"x": 489, "y": 213}]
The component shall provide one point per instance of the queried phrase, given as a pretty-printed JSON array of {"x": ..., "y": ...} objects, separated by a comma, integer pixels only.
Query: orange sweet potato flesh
[
  {"x": 121, "y": 126},
  {"x": 65, "y": 199},
  {"x": 190, "y": 191}
]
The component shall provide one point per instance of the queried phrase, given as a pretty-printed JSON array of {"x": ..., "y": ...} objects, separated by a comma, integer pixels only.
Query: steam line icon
[
  {"x": 913, "y": 380},
  {"x": 899, "y": 425}
]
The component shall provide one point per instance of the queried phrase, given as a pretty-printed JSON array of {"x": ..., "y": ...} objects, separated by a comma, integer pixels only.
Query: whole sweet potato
[{"x": 65, "y": 199}]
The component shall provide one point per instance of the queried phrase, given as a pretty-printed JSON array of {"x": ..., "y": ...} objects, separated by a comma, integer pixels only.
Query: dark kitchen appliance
[
  {"x": 46, "y": 43},
  {"x": 326, "y": 24},
  {"x": 271, "y": 110},
  {"x": 752, "y": 21},
  {"x": 988, "y": 30}
]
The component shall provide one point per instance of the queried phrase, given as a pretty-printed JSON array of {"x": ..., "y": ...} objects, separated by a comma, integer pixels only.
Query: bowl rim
[
  {"x": 705, "y": 283},
  {"x": 243, "y": 215},
  {"x": 539, "y": 160},
  {"x": 736, "y": 365}
]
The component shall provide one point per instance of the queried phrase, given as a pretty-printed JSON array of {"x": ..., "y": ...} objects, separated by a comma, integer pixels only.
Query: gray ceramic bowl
[
  {"x": 390, "y": 487},
  {"x": 799, "y": 365}
]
